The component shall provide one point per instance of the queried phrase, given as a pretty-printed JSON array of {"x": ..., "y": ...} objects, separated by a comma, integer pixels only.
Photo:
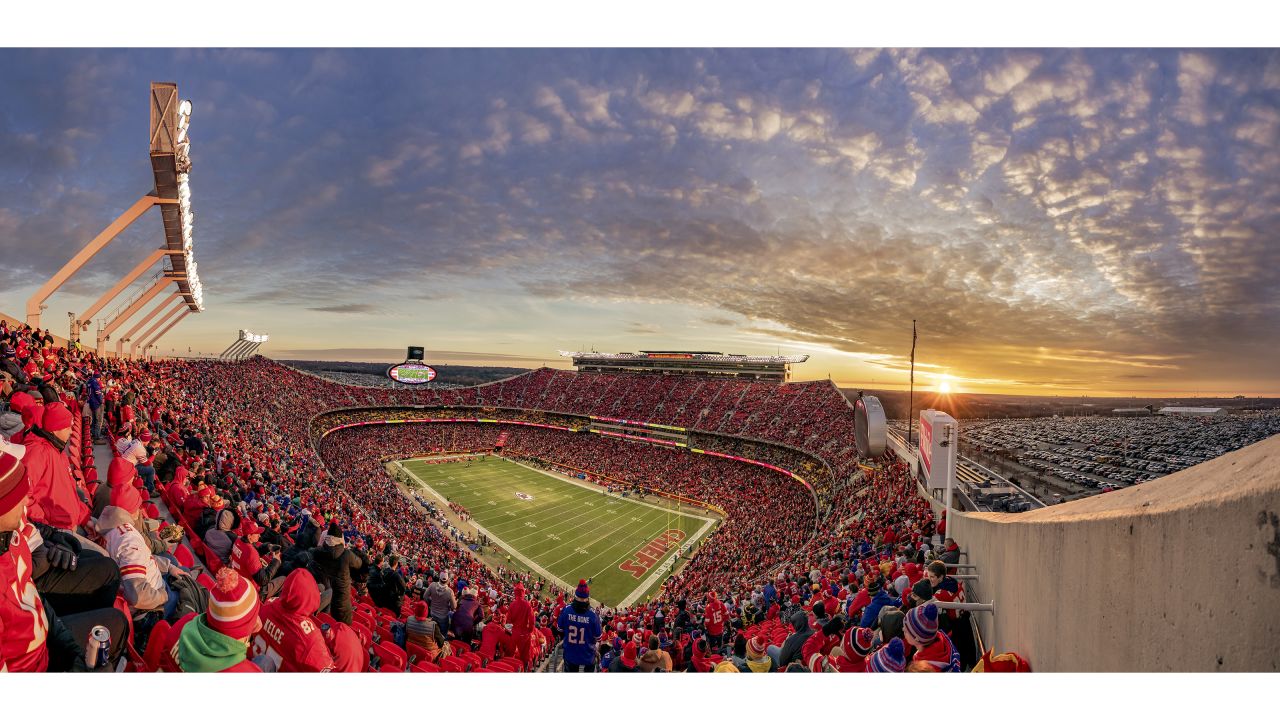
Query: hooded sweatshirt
[
  {"x": 203, "y": 649},
  {"x": 219, "y": 539},
  {"x": 290, "y": 636},
  {"x": 795, "y": 641},
  {"x": 520, "y": 615}
]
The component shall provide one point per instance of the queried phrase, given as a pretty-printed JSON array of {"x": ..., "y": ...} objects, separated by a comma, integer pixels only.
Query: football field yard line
[
  {"x": 642, "y": 529},
  {"x": 592, "y": 518},
  {"x": 555, "y": 580},
  {"x": 596, "y": 490},
  {"x": 600, "y": 513},
  {"x": 580, "y": 517},
  {"x": 601, "y": 520}
]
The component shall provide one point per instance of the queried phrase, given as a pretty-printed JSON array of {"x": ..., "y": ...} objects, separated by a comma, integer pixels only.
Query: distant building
[
  {"x": 772, "y": 368},
  {"x": 1132, "y": 411},
  {"x": 1192, "y": 411}
]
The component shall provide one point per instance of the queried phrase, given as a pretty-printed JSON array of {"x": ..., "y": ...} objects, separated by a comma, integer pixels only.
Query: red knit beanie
[
  {"x": 120, "y": 472},
  {"x": 126, "y": 497},
  {"x": 233, "y": 605},
  {"x": 56, "y": 417},
  {"x": 14, "y": 485}
]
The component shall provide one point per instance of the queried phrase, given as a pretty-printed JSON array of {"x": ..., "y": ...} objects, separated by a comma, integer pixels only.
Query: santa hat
[
  {"x": 14, "y": 485},
  {"x": 888, "y": 659},
  {"x": 583, "y": 592},
  {"x": 56, "y": 417},
  {"x": 233, "y": 605},
  {"x": 126, "y": 497},
  {"x": 921, "y": 627}
]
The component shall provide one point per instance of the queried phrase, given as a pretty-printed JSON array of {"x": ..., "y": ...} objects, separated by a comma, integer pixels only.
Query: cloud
[
  {"x": 348, "y": 309},
  {"x": 1113, "y": 206}
]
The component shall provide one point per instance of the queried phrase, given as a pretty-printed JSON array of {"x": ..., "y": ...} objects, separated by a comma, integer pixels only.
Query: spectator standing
[{"x": 580, "y": 627}]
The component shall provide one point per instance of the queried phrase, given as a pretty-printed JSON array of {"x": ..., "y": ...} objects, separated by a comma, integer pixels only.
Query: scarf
[{"x": 202, "y": 649}]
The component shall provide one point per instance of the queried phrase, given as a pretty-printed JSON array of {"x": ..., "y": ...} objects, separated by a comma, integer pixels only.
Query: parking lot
[{"x": 1064, "y": 458}]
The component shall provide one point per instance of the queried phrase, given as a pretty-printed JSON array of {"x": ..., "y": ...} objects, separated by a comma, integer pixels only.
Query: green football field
[{"x": 564, "y": 530}]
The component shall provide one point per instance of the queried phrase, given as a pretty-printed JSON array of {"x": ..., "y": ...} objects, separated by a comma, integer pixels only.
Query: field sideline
[{"x": 563, "y": 530}]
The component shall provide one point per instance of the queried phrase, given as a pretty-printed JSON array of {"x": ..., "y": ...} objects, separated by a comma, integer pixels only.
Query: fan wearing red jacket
[
  {"x": 32, "y": 637},
  {"x": 713, "y": 619},
  {"x": 56, "y": 501},
  {"x": 520, "y": 615},
  {"x": 290, "y": 638}
]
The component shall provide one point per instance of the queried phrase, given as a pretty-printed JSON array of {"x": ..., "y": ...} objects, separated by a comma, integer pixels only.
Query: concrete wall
[{"x": 1178, "y": 574}]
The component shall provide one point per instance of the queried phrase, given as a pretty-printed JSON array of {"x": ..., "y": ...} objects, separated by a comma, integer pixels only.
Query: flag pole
[{"x": 911, "y": 393}]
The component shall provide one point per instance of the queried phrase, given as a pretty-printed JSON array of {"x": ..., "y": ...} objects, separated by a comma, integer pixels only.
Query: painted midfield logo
[{"x": 524, "y": 496}]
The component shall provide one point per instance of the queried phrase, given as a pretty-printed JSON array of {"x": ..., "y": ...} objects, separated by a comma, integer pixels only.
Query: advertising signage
[{"x": 411, "y": 373}]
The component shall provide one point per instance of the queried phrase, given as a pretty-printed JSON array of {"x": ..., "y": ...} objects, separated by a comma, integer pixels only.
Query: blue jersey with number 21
[{"x": 581, "y": 631}]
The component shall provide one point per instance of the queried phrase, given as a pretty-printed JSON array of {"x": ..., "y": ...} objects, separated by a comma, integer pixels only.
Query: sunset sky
[{"x": 1058, "y": 222}]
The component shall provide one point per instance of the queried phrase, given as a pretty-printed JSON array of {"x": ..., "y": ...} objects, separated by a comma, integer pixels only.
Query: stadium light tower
[
  {"x": 171, "y": 167},
  {"x": 244, "y": 346}
]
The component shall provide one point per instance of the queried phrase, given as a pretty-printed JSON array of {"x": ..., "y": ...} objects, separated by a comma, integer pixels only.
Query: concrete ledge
[{"x": 1178, "y": 574}]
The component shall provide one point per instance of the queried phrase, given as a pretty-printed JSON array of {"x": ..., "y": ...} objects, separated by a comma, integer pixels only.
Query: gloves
[{"x": 61, "y": 557}]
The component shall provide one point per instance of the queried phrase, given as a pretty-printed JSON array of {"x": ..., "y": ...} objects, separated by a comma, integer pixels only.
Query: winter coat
[
  {"x": 220, "y": 539},
  {"x": 466, "y": 616},
  {"x": 290, "y": 638},
  {"x": 23, "y": 624},
  {"x": 53, "y": 490},
  {"x": 872, "y": 612},
  {"x": 335, "y": 563},
  {"x": 795, "y": 641}
]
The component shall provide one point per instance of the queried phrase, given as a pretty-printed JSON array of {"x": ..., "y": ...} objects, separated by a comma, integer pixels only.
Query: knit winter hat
[
  {"x": 56, "y": 417},
  {"x": 14, "y": 485},
  {"x": 888, "y": 659},
  {"x": 817, "y": 663},
  {"x": 629, "y": 654},
  {"x": 233, "y": 605},
  {"x": 420, "y": 610},
  {"x": 583, "y": 592},
  {"x": 125, "y": 496},
  {"x": 921, "y": 627},
  {"x": 756, "y": 648}
]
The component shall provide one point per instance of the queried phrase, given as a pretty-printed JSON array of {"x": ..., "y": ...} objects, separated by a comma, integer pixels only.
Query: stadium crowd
[{"x": 222, "y": 537}]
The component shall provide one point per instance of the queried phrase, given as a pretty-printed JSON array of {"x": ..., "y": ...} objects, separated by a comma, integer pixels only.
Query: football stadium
[{"x": 671, "y": 511}]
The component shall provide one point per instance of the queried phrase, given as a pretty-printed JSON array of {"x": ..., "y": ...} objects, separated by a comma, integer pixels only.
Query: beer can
[{"x": 98, "y": 649}]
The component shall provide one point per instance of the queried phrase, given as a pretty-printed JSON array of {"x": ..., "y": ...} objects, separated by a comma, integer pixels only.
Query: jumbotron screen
[{"x": 411, "y": 373}]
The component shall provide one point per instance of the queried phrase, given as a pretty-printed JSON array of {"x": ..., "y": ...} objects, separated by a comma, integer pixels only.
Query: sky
[{"x": 1058, "y": 222}]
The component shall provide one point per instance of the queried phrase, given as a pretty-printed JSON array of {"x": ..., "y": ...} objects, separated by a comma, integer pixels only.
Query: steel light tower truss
[{"x": 171, "y": 166}]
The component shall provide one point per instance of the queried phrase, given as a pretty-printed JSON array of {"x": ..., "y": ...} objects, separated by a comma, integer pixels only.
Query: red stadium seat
[
  {"x": 390, "y": 655},
  {"x": 416, "y": 652},
  {"x": 424, "y": 666},
  {"x": 451, "y": 664},
  {"x": 155, "y": 646},
  {"x": 184, "y": 556}
]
